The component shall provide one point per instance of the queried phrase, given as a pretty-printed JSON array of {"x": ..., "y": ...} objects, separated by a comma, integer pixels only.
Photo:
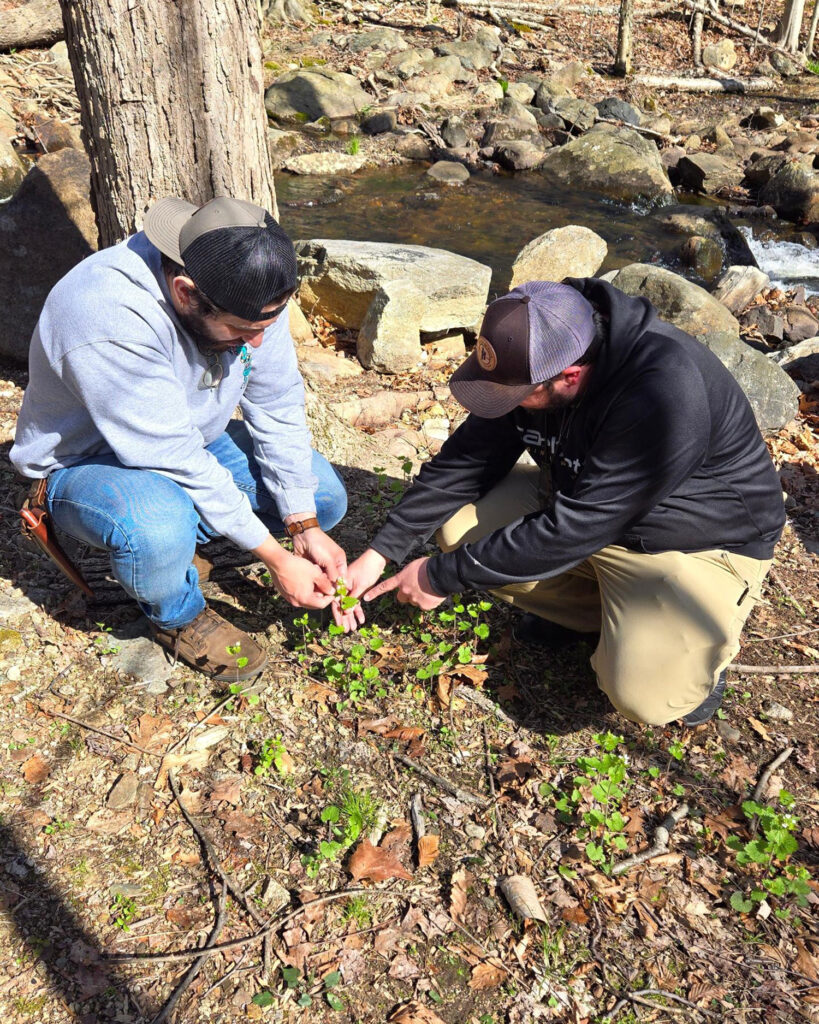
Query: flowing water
[{"x": 492, "y": 217}]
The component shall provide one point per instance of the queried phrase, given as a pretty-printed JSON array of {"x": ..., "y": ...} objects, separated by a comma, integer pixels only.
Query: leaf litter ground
[{"x": 426, "y": 820}]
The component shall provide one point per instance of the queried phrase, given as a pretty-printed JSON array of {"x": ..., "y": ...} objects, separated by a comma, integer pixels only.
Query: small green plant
[
  {"x": 354, "y": 146},
  {"x": 235, "y": 651},
  {"x": 103, "y": 643},
  {"x": 358, "y": 912},
  {"x": 305, "y": 988},
  {"x": 504, "y": 84},
  {"x": 353, "y": 671},
  {"x": 385, "y": 495},
  {"x": 123, "y": 910},
  {"x": 813, "y": 67},
  {"x": 342, "y": 592},
  {"x": 57, "y": 826},
  {"x": 766, "y": 857},
  {"x": 596, "y": 795},
  {"x": 272, "y": 755},
  {"x": 464, "y": 619},
  {"x": 346, "y": 820}
]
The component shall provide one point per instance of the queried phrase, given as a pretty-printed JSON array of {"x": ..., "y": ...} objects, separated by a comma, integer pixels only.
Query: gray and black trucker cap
[
  {"x": 233, "y": 251},
  {"x": 527, "y": 337}
]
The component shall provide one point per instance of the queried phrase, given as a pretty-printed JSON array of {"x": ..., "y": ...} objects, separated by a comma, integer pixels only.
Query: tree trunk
[
  {"x": 812, "y": 31},
  {"x": 284, "y": 11},
  {"x": 789, "y": 27},
  {"x": 622, "y": 62},
  {"x": 172, "y": 103}
]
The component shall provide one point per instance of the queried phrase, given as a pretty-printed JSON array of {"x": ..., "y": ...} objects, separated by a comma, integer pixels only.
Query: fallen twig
[
  {"x": 99, "y": 732},
  {"x": 201, "y": 722},
  {"x": 765, "y": 777},
  {"x": 465, "y": 795},
  {"x": 637, "y": 997},
  {"x": 483, "y": 702},
  {"x": 642, "y": 131},
  {"x": 784, "y": 588},
  {"x": 662, "y": 835},
  {"x": 419, "y": 826},
  {"x": 194, "y": 969},
  {"x": 774, "y": 670}
]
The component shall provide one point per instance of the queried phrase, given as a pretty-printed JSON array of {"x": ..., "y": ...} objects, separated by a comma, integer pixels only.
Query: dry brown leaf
[
  {"x": 105, "y": 822},
  {"x": 772, "y": 953},
  {"x": 427, "y": 849},
  {"x": 319, "y": 693},
  {"x": 737, "y": 774},
  {"x": 240, "y": 825},
  {"x": 36, "y": 769},
  {"x": 404, "y": 968},
  {"x": 515, "y": 772},
  {"x": 197, "y": 759},
  {"x": 152, "y": 731},
  {"x": 805, "y": 962},
  {"x": 414, "y": 1013},
  {"x": 575, "y": 915},
  {"x": 227, "y": 790},
  {"x": 386, "y": 941},
  {"x": 405, "y": 733},
  {"x": 702, "y": 992},
  {"x": 185, "y": 917},
  {"x": 461, "y": 880},
  {"x": 759, "y": 728},
  {"x": 371, "y": 862},
  {"x": 397, "y": 840},
  {"x": 443, "y": 689},
  {"x": 520, "y": 893},
  {"x": 377, "y": 725},
  {"x": 487, "y": 975}
]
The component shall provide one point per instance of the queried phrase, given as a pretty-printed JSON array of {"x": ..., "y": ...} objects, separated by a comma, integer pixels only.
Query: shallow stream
[{"x": 492, "y": 217}]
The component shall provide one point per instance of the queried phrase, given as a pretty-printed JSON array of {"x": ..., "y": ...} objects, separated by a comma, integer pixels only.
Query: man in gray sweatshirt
[{"x": 141, "y": 355}]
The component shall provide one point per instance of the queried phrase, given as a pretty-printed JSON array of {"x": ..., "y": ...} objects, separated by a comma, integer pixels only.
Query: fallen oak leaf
[
  {"x": 759, "y": 728},
  {"x": 460, "y": 882},
  {"x": 376, "y": 725},
  {"x": 405, "y": 733},
  {"x": 486, "y": 975},
  {"x": 413, "y": 1013},
  {"x": 36, "y": 769},
  {"x": 428, "y": 847},
  {"x": 371, "y": 862},
  {"x": 521, "y": 896}
]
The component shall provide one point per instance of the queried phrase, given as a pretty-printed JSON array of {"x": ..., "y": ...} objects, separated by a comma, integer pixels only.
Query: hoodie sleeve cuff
[{"x": 442, "y": 574}]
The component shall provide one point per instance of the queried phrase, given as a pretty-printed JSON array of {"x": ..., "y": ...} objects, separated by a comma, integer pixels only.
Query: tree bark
[
  {"x": 814, "y": 20},
  {"x": 789, "y": 27},
  {"x": 172, "y": 103},
  {"x": 622, "y": 62}
]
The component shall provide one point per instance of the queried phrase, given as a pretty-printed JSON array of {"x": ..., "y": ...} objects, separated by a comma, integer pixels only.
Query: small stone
[
  {"x": 474, "y": 831},
  {"x": 728, "y": 732},
  {"x": 274, "y": 895},
  {"x": 448, "y": 172},
  {"x": 13, "y": 674},
  {"x": 142, "y": 660},
  {"x": 124, "y": 792},
  {"x": 380, "y": 122},
  {"x": 778, "y": 711}
]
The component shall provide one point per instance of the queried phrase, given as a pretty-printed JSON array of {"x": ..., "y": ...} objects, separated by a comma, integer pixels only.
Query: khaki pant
[{"x": 669, "y": 623}]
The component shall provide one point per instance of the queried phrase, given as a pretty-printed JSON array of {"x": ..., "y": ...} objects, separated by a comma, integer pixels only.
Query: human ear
[{"x": 183, "y": 290}]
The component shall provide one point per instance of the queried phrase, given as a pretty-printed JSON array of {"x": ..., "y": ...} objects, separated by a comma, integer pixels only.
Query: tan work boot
[{"x": 214, "y": 646}]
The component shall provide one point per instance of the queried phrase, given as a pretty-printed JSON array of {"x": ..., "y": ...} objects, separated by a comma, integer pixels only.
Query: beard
[{"x": 196, "y": 325}]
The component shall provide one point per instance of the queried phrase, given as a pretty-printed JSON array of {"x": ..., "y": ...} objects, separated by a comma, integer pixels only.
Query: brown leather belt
[{"x": 36, "y": 526}]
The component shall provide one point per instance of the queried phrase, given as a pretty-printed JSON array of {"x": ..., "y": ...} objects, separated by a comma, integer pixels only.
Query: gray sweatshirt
[{"x": 111, "y": 370}]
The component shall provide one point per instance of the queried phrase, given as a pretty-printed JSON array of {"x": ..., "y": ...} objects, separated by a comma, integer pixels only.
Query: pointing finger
[{"x": 383, "y": 587}]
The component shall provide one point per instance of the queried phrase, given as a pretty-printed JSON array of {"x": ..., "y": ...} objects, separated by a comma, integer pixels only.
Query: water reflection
[{"x": 489, "y": 219}]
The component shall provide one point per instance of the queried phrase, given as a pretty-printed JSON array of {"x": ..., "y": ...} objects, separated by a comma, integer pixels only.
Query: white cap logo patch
[{"x": 486, "y": 355}]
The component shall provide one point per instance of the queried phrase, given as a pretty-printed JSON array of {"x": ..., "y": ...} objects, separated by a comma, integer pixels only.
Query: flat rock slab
[
  {"x": 739, "y": 286},
  {"x": 390, "y": 294},
  {"x": 325, "y": 163},
  {"x": 142, "y": 661}
]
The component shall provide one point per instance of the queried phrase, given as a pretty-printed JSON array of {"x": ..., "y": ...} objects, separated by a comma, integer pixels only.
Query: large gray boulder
[
  {"x": 45, "y": 229},
  {"x": 470, "y": 53},
  {"x": 794, "y": 193},
  {"x": 390, "y": 294},
  {"x": 307, "y": 95},
  {"x": 707, "y": 173},
  {"x": 12, "y": 171},
  {"x": 573, "y": 251},
  {"x": 800, "y": 360},
  {"x": 387, "y": 39},
  {"x": 616, "y": 162},
  {"x": 773, "y": 395},
  {"x": 707, "y": 222}
]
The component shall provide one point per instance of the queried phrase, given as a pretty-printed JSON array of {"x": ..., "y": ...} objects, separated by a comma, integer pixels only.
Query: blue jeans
[{"x": 150, "y": 526}]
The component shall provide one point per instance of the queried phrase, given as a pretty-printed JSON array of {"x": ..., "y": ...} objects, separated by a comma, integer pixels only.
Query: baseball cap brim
[
  {"x": 485, "y": 398},
  {"x": 163, "y": 223}
]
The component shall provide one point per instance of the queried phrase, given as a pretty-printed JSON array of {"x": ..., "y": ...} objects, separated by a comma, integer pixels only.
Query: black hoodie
[{"x": 660, "y": 453}]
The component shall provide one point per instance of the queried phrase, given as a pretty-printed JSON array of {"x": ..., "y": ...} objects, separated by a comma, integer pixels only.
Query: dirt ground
[{"x": 424, "y": 822}]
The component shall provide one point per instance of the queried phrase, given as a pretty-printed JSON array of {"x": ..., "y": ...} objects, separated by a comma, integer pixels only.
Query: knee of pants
[
  {"x": 637, "y": 703},
  {"x": 166, "y": 538},
  {"x": 331, "y": 496}
]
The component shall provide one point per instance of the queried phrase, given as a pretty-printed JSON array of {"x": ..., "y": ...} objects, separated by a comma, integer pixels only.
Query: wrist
[{"x": 375, "y": 559}]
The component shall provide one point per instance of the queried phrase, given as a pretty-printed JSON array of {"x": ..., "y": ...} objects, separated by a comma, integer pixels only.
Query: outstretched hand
[
  {"x": 411, "y": 585},
  {"x": 360, "y": 576}
]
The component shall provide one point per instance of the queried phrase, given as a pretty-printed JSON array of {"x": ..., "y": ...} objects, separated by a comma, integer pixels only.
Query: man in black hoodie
[{"x": 650, "y": 516}]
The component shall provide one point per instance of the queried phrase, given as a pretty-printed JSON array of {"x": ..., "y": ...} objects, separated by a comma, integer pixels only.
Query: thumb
[
  {"x": 383, "y": 587},
  {"x": 322, "y": 583}
]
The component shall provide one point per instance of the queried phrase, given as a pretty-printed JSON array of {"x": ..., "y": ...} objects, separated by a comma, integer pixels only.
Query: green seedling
[
  {"x": 123, "y": 910},
  {"x": 597, "y": 794},
  {"x": 346, "y": 820},
  {"x": 103, "y": 643},
  {"x": 354, "y": 145},
  {"x": 343, "y": 596},
  {"x": 272, "y": 755},
  {"x": 766, "y": 857},
  {"x": 57, "y": 826}
]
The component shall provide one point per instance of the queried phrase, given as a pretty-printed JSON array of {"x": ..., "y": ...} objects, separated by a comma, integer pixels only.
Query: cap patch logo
[{"x": 486, "y": 355}]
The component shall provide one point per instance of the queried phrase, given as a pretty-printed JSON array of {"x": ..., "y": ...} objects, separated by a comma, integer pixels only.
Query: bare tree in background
[
  {"x": 622, "y": 62},
  {"x": 789, "y": 27},
  {"x": 171, "y": 100}
]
